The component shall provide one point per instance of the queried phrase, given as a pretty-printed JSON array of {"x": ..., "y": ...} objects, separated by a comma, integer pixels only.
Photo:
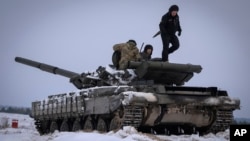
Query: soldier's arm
[
  {"x": 138, "y": 56},
  {"x": 163, "y": 24},
  {"x": 179, "y": 26}
]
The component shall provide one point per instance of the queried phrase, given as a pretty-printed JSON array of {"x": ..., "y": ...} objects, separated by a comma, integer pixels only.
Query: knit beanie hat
[
  {"x": 132, "y": 41},
  {"x": 173, "y": 8}
]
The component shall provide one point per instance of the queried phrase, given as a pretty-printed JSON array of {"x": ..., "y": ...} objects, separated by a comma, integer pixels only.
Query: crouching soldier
[{"x": 128, "y": 52}]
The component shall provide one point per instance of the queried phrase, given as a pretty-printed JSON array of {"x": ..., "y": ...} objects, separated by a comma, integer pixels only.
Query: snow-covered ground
[{"x": 26, "y": 132}]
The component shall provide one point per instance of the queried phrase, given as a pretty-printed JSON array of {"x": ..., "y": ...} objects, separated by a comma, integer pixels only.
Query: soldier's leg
[
  {"x": 123, "y": 64},
  {"x": 175, "y": 44},
  {"x": 165, "y": 42}
]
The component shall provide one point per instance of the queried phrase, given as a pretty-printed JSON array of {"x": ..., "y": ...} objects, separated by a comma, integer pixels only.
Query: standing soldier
[
  {"x": 168, "y": 26},
  {"x": 129, "y": 52}
]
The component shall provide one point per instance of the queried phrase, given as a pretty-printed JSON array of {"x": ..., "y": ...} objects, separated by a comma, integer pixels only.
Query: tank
[{"x": 148, "y": 95}]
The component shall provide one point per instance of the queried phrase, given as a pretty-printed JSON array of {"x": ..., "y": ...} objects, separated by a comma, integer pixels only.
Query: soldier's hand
[{"x": 179, "y": 33}]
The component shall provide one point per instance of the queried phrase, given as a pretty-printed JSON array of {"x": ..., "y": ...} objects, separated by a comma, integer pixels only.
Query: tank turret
[{"x": 164, "y": 72}]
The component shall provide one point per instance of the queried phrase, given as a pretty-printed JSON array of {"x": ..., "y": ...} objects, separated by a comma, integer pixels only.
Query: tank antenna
[{"x": 141, "y": 46}]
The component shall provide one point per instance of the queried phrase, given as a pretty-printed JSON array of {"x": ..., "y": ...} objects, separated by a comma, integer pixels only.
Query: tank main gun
[
  {"x": 101, "y": 77},
  {"x": 46, "y": 67},
  {"x": 75, "y": 78}
]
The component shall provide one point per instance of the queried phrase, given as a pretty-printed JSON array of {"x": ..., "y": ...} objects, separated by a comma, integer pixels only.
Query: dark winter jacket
[
  {"x": 144, "y": 54},
  {"x": 169, "y": 25}
]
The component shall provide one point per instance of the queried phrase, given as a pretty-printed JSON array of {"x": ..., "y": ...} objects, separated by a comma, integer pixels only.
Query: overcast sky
[{"x": 79, "y": 35}]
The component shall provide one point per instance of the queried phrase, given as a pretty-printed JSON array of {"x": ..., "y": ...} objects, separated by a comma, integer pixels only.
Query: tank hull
[{"x": 129, "y": 106}]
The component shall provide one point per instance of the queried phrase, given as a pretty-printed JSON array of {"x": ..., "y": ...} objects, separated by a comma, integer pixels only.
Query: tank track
[
  {"x": 133, "y": 116},
  {"x": 222, "y": 122}
]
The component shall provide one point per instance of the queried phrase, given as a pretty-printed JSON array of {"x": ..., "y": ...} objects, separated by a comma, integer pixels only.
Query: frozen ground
[{"x": 26, "y": 132}]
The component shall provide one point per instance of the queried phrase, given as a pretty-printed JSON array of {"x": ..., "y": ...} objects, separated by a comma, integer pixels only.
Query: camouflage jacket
[{"x": 129, "y": 52}]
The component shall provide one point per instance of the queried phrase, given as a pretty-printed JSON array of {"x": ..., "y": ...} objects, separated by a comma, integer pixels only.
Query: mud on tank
[{"x": 148, "y": 95}]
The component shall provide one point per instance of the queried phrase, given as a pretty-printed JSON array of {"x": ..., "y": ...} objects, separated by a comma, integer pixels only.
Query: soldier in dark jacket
[
  {"x": 147, "y": 52},
  {"x": 169, "y": 25}
]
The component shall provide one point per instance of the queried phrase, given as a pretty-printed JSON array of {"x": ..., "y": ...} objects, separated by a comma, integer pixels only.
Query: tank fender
[
  {"x": 223, "y": 102},
  {"x": 115, "y": 102},
  {"x": 102, "y": 105}
]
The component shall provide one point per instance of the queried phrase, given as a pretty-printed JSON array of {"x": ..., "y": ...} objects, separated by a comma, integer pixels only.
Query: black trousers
[{"x": 166, "y": 40}]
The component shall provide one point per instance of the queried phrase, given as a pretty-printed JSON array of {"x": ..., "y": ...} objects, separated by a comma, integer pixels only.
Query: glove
[{"x": 179, "y": 33}]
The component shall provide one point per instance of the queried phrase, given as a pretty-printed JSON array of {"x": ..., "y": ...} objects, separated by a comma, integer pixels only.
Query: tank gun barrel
[
  {"x": 46, "y": 67},
  {"x": 80, "y": 81}
]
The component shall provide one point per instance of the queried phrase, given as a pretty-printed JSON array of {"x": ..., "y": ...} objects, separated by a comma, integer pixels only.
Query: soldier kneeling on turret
[{"x": 125, "y": 52}]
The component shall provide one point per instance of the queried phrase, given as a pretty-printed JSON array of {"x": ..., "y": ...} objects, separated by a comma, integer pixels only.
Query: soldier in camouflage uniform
[{"x": 129, "y": 52}]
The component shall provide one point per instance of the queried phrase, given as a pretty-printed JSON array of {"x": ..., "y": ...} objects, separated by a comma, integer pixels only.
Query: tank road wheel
[
  {"x": 64, "y": 126},
  {"x": 45, "y": 125},
  {"x": 76, "y": 126},
  {"x": 101, "y": 125},
  {"x": 188, "y": 130},
  {"x": 88, "y": 125},
  {"x": 115, "y": 124},
  {"x": 53, "y": 127},
  {"x": 42, "y": 126},
  {"x": 160, "y": 130}
]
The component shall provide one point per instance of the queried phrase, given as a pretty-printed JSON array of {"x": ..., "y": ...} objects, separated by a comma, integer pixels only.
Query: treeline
[
  {"x": 17, "y": 110},
  {"x": 241, "y": 121}
]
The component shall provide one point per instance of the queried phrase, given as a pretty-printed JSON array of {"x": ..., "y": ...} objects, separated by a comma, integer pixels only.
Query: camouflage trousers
[{"x": 123, "y": 64}]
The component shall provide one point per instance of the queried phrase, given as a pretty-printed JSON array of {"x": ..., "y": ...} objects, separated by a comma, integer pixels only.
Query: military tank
[{"x": 148, "y": 95}]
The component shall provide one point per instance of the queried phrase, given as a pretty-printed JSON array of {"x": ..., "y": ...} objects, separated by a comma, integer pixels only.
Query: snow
[
  {"x": 26, "y": 132},
  {"x": 129, "y": 95},
  {"x": 118, "y": 73},
  {"x": 221, "y": 100}
]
